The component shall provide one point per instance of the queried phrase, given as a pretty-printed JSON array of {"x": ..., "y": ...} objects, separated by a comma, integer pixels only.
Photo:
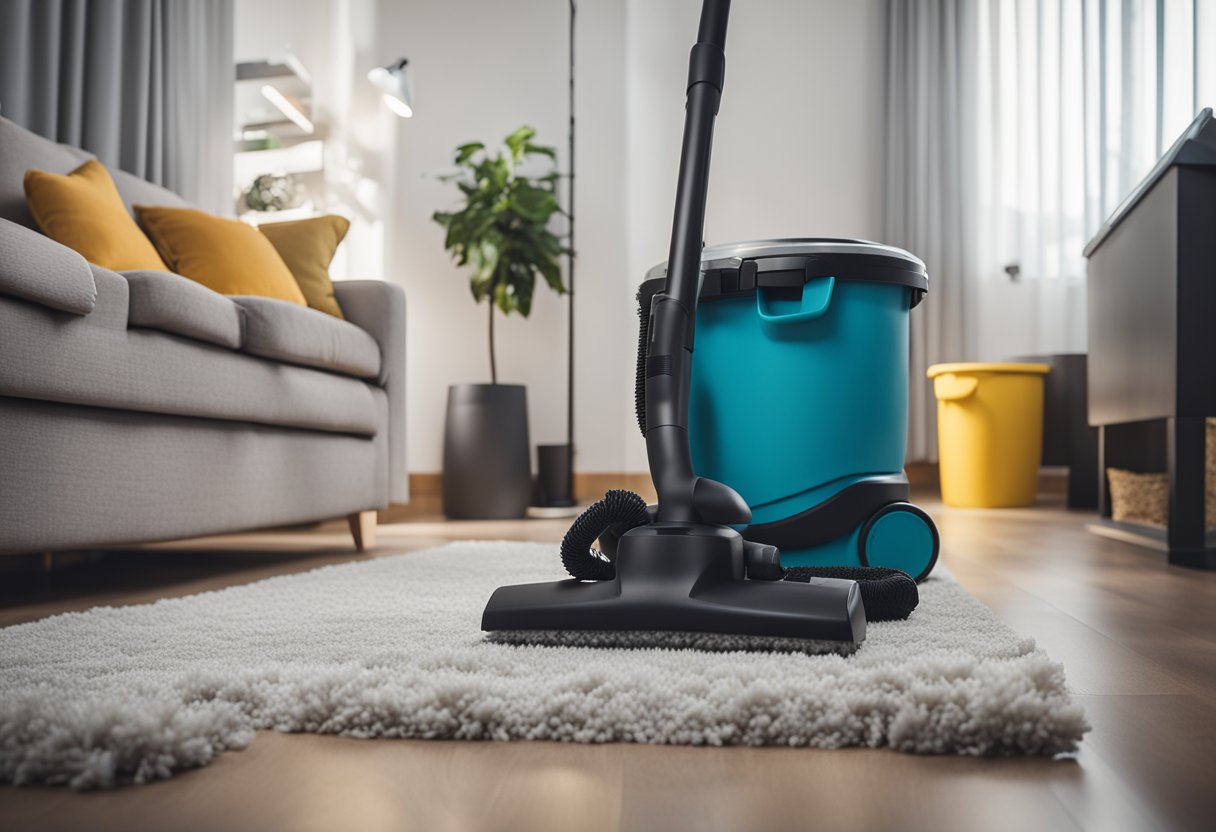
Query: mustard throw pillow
[
  {"x": 226, "y": 256},
  {"x": 307, "y": 247},
  {"x": 84, "y": 212}
]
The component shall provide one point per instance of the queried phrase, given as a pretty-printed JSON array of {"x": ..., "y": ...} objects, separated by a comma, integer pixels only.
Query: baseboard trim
[
  {"x": 426, "y": 492},
  {"x": 426, "y": 488}
]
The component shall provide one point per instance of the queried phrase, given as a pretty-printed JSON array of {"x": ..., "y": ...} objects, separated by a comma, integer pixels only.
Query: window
[{"x": 1076, "y": 101}]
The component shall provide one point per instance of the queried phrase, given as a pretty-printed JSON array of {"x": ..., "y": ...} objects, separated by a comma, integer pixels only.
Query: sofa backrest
[
  {"x": 136, "y": 191},
  {"x": 21, "y": 150}
]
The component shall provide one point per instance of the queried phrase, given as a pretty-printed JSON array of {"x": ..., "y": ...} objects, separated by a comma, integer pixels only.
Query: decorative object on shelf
[
  {"x": 258, "y": 142},
  {"x": 273, "y": 192},
  {"x": 502, "y": 232},
  {"x": 395, "y": 84}
]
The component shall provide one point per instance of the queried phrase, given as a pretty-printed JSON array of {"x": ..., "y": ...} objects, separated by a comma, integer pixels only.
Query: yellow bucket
[{"x": 989, "y": 432}]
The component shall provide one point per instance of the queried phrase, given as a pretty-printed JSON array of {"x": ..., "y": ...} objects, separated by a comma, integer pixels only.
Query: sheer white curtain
[
  {"x": 1015, "y": 128},
  {"x": 1080, "y": 98}
]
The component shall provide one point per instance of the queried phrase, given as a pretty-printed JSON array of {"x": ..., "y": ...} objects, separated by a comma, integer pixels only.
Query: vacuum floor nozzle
[{"x": 681, "y": 586}]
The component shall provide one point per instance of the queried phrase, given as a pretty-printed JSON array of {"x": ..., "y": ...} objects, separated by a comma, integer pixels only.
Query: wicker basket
[
  {"x": 1139, "y": 498},
  {"x": 1144, "y": 498}
]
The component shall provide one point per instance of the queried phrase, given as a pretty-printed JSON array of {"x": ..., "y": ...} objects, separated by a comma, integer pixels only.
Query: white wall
[
  {"x": 481, "y": 69},
  {"x": 797, "y": 152}
]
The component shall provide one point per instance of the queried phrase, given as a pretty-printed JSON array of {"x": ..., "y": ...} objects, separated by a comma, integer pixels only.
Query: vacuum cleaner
[
  {"x": 817, "y": 330},
  {"x": 680, "y": 574}
]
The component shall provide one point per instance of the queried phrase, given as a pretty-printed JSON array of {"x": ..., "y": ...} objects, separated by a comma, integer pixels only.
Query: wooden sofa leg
[{"x": 363, "y": 529}]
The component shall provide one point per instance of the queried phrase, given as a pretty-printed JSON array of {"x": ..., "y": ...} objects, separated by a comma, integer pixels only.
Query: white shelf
[{"x": 305, "y": 157}]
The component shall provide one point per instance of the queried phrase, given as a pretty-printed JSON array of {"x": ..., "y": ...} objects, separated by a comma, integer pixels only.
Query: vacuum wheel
[{"x": 900, "y": 536}]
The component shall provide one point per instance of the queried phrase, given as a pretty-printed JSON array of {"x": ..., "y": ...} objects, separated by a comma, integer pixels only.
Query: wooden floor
[{"x": 1138, "y": 640}]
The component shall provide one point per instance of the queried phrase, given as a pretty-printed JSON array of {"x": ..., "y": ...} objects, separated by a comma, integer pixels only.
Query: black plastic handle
[
  {"x": 706, "y": 75},
  {"x": 713, "y": 23},
  {"x": 683, "y": 496}
]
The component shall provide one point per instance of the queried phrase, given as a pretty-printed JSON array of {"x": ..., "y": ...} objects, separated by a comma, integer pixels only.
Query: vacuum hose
[
  {"x": 606, "y": 520},
  {"x": 887, "y": 594}
]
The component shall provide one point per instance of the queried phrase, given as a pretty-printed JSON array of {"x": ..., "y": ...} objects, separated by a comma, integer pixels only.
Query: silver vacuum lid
[{"x": 731, "y": 255}]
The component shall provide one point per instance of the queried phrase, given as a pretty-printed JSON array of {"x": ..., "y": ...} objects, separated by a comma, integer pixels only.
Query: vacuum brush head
[
  {"x": 681, "y": 587},
  {"x": 671, "y": 640}
]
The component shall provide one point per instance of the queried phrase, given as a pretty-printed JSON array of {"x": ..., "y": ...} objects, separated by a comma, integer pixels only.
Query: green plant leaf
[
  {"x": 466, "y": 151},
  {"x": 536, "y": 204},
  {"x": 539, "y": 149},
  {"x": 517, "y": 141},
  {"x": 552, "y": 273}
]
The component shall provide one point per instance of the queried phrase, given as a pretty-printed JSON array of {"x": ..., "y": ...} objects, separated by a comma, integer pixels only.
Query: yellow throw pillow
[
  {"x": 307, "y": 247},
  {"x": 226, "y": 256},
  {"x": 84, "y": 212}
]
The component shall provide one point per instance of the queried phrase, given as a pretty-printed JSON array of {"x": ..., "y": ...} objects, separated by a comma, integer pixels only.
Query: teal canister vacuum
[{"x": 678, "y": 574}]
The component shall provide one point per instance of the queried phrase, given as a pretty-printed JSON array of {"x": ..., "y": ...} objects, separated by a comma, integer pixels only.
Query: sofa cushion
[
  {"x": 308, "y": 247},
  {"x": 299, "y": 335},
  {"x": 84, "y": 211},
  {"x": 98, "y": 360},
  {"x": 21, "y": 150},
  {"x": 172, "y": 303},
  {"x": 39, "y": 269},
  {"x": 227, "y": 256}
]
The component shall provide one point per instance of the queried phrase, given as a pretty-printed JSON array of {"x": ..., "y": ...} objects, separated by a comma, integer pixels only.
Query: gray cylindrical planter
[{"x": 487, "y": 471}]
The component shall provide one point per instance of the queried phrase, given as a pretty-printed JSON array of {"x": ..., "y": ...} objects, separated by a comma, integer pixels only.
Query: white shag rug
[{"x": 391, "y": 647}]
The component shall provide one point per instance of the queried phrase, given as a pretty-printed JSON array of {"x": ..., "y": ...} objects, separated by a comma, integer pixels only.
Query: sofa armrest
[
  {"x": 36, "y": 268},
  {"x": 379, "y": 308}
]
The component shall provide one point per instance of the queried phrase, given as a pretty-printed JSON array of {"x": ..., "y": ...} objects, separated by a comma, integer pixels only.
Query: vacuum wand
[
  {"x": 706, "y": 75},
  {"x": 684, "y": 497}
]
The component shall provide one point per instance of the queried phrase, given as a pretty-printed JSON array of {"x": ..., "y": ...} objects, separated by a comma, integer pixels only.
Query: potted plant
[{"x": 501, "y": 231}]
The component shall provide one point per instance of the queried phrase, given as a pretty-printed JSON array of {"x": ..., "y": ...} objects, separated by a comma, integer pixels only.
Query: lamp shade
[{"x": 394, "y": 82}]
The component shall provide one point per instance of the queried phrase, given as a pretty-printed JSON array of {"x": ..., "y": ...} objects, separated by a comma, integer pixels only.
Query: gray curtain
[
  {"x": 930, "y": 165},
  {"x": 145, "y": 85}
]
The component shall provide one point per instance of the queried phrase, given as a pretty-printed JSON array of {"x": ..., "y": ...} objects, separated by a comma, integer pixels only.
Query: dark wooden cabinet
[{"x": 1152, "y": 341}]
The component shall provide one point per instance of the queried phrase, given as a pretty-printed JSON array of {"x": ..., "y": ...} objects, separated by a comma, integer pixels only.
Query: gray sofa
[{"x": 142, "y": 406}]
